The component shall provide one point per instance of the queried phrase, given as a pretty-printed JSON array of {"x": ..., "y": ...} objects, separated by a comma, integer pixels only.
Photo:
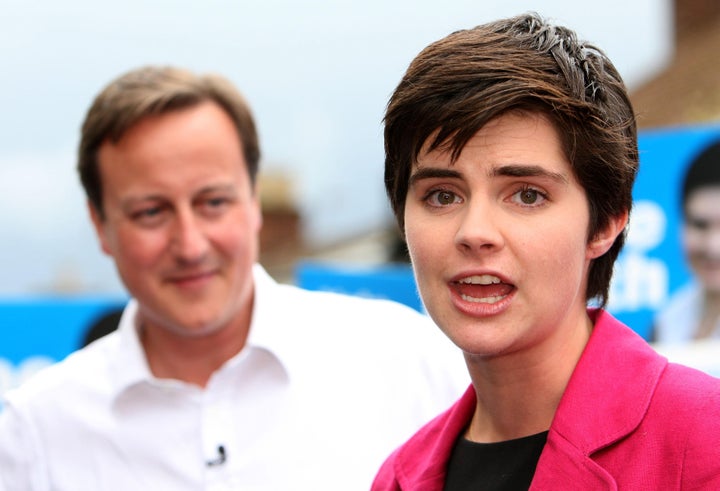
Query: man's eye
[
  {"x": 215, "y": 202},
  {"x": 214, "y": 205},
  {"x": 147, "y": 212},
  {"x": 149, "y": 216}
]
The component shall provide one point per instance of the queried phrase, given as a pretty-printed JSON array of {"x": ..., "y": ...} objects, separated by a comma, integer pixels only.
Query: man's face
[
  {"x": 701, "y": 235},
  {"x": 181, "y": 220}
]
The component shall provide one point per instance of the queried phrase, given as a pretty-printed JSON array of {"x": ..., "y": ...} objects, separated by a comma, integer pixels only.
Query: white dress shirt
[{"x": 326, "y": 387}]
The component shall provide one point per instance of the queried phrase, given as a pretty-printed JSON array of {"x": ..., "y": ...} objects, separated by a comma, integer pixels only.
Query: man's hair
[
  {"x": 458, "y": 84},
  {"x": 152, "y": 91},
  {"x": 703, "y": 171}
]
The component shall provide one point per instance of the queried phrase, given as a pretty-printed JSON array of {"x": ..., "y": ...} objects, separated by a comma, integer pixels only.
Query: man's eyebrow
[
  {"x": 134, "y": 199},
  {"x": 432, "y": 172},
  {"x": 219, "y": 187},
  {"x": 211, "y": 188},
  {"x": 519, "y": 170}
]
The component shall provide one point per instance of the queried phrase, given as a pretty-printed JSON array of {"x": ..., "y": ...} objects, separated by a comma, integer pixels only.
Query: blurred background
[{"x": 318, "y": 75}]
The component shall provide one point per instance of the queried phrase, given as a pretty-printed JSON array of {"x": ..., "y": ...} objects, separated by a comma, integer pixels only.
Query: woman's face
[
  {"x": 701, "y": 235},
  {"x": 498, "y": 238}
]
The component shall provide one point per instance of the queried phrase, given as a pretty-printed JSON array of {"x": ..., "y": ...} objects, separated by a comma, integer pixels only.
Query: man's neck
[{"x": 192, "y": 359}]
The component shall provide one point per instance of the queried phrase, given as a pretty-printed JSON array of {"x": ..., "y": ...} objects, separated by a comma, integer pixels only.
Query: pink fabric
[{"x": 627, "y": 420}]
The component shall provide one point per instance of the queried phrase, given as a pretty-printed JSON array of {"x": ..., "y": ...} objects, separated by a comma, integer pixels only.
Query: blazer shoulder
[
  {"x": 690, "y": 399},
  {"x": 689, "y": 385}
]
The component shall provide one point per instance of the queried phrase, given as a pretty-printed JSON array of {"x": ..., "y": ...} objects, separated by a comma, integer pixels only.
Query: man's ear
[
  {"x": 256, "y": 203},
  {"x": 99, "y": 224},
  {"x": 605, "y": 238}
]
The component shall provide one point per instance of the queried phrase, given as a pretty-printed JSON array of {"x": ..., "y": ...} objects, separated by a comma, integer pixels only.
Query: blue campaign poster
[
  {"x": 652, "y": 267},
  {"x": 392, "y": 281},
  {"x": 38, "y": 331}
]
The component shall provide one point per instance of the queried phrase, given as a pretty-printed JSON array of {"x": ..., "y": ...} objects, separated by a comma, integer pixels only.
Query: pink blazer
[{"x": 628, "y": 420}]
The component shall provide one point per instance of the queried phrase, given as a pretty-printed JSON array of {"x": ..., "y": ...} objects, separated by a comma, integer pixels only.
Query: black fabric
[
  {"x": 501, "y": 466},
  {"x": 105, "y": 324}
]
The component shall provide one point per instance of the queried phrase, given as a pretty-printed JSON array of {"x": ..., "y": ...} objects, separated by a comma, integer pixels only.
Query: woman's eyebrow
[
  {"x": 522, "y": 170},
  {"x": 431, "y": 172}
]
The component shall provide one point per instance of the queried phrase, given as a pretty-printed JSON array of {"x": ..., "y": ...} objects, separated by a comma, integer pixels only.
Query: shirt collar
[
  {"x": 272, "y": 310},
  {"x": 129, "y": 366}
]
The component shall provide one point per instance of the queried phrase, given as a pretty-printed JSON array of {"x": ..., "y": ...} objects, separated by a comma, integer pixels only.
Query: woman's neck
[{"x": 518, "y": 394}]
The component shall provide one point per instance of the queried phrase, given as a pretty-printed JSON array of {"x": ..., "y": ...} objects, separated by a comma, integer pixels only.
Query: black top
[{"x": 501, "y": 466}]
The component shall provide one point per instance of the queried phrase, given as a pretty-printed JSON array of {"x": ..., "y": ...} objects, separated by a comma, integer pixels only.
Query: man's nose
[{"x": 189, "y": 241}]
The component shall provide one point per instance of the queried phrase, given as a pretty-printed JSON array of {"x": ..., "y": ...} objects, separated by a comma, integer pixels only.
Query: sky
[{"x": 317, "y": 74}]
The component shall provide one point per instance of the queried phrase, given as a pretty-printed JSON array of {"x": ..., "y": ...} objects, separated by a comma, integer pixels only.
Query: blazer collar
[
  {"x": 597, "y": 408},
  {"x": 421, "y": 463}
]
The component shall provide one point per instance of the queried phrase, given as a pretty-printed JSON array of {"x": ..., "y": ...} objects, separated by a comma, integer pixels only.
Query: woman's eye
[
  {"x": 442, "y": 198},
  {"x": 529, "y": 197},
  {"x": 698, "y": 224}
]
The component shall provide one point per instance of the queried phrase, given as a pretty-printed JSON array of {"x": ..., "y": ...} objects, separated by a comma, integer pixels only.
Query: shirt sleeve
[{"x": 21, "y": 466}]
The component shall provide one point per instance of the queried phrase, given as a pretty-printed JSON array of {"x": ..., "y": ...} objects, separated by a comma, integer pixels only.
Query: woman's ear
[{"x": 605, "y": 238}]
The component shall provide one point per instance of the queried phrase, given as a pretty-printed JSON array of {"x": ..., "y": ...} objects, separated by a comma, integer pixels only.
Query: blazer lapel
[
  {"x": 598, "y": 408},
  {"x": 563, "y": 466}
]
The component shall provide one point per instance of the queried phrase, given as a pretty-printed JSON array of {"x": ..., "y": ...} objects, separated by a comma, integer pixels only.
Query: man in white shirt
[{"x": 218, "y": 377}]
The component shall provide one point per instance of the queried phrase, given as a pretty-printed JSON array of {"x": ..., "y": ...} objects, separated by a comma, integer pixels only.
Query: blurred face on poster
[{"x": 701, "y": 235}]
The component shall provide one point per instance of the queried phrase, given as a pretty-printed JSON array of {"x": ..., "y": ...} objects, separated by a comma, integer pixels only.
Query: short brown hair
[
  {"x": 458, "y": 84},
  {"x": 154, "y": 90}
]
